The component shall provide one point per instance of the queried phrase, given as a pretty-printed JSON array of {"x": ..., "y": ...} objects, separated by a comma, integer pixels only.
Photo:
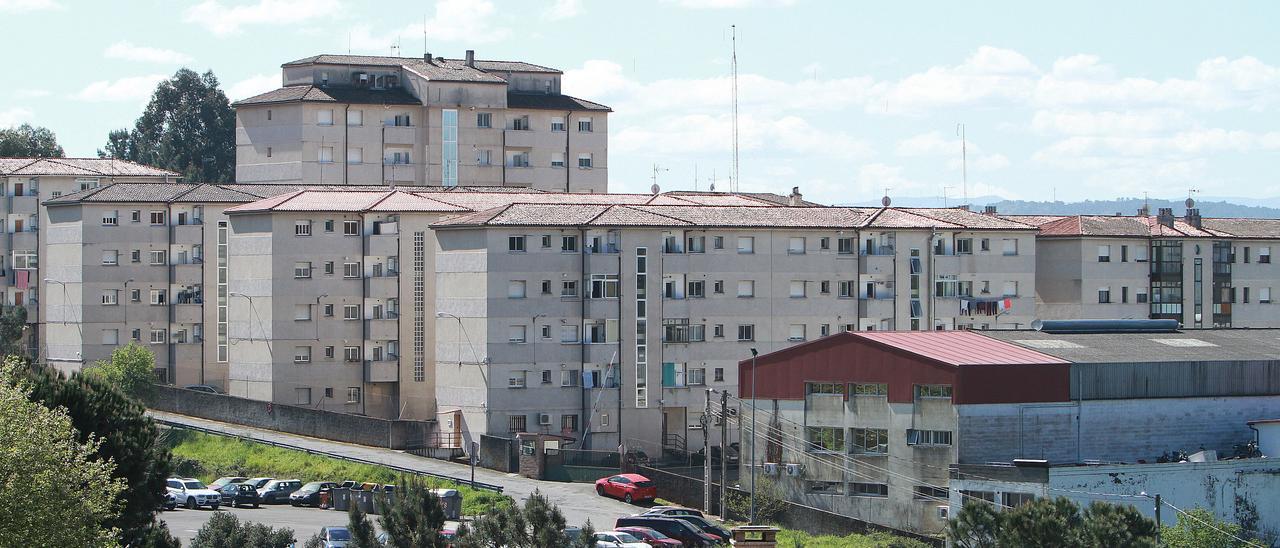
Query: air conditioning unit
[
  {"x": 544, "y": 419},
  {"x": 770, "y": 468},
  {"x": 795, "y": 470},
  {"x": 944, "y": 512}
]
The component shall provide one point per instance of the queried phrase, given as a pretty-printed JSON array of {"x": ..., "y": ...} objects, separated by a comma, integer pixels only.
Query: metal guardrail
[{"x": 401, "y": 469}]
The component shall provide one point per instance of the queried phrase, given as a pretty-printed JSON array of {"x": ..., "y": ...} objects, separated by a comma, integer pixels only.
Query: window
[
  {"x": 1264, "y": 295},
  {"x": 302, "y": 354},
  {"x": 824, "y": 287},
  {"x": 1011, "y": 289},
  {"x": 158, "y": 336},
  {"x": 135, "y": 295},
  {"x": 355, "y": 155},
  {"x": 516, "y": 423},
  {"x": 584, "y": 160},
  {"x": 1140, "y": 253},
  {"x": 484, "y": 119},
  {"x": 111, "y": 336},
  {"x": 135, "y": 216},
  {"x": 869, "y": 489},
  {"x": 557, "y": 159},
  {"x": 1245, "y": 294},
  {"x": 717, "y": 242},
  {"x": 824, "y": 329},
  {"x": 109, "y": 257},
  {"x": 746, "y": 244},
  {"x": 136, "y": 335},
  {"x": 746, "y": 288},
  {"x": 848, "y": 289},
  {"x": 557, "y": 123},
  {"x": 520, "y": 123},
  {"x": 797, "y": 289},
  {"x": 1124, "y": 253},
  {"x": 484, "y": 157},
  {"x": 717, "y": 331},
  {"x": 924, "y": 391},
  {"x": 350, "y": 311},
  {"x": 328, "y": 268},
  {"x": 796, "y": 332},
  {"x": 719, "y": 371},
  {"x": 516, "y": 289},
  {"x": 110, "y": 218},
  {"x": 355, "y": 117},
  {"x": 827, "y": 388},
  {"x": 329, "y": 353},
  {"x": 795, "y": 245},
  {"x": 301, "y": 270},
  {"x": 929, "y": 492},
  {"x": 350, "y": 270},
  {"x": 135, "y": 256},
  {"x": 325, "y": 155},
  {"x": 159, "y": 297},
  {"x": 516, "y": 334},
  {"x": 584, "y": 124},
  {"x": 697, "y": 244},
  {"x": 351, "y": 353},
  {"x": 568, "y": 423},
  {"x": 1140, "y": 295},
  {"x": 1124, "y": 295},
  {"x": 869, "y": 389},
  {"x": 928, "y": 437},
  {"x": 353, "y": 394},
  {"x": 824, "y": 244},
  {"x": 568, "y": 333},
  {"x": 568, "y": 244},
  {"x": 157, "y": 257},
  {"x": 111, "y": 297},
  {"x": 718, "y": 287},
  {"x": 350, "y": 228},
  {"x": 1104, "y": 253},
  {"x": 1010, "y": 246},
  {"x": 302, "y": 312},
  {"x": 869, "y": 441},
  {"x": 328, "y": 225},
  {"x": 747, "y": 332},
  {"x": 569, "y": 288},
  {"x": 302, "y": 396},
  {"x": 1014, "y": 500},
  {"x": 697, "y": 290},
  {"x": 824, "y": 438},
  {"x": 302, "y": 228},
  {"x": 516, "y": 244},
  {"x": 604, "y": 286},
  {"x": 516, "y": 380},
  {"x": 157, "y": 217},
  {"x": 268, "y": 114},
  {"x": 964, "y": 246},
  {"x": 1104, "y": 295},
  {"x": 324, "y": 117},
  {"x": 1264, "y": 255},
  {"x": 844, "y": 246}
]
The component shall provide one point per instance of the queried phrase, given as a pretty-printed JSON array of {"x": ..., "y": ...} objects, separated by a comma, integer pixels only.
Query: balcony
[
  {"x": 384, "y": 370},
  {"x": 23, "y": 204},
  {"x": 384, "y": 245},
  {"x": 23, "y": 240},
  {"x": 188, "y": 234},
  {"x": 188, "y": 273},
  {"x": 520, "y": 138},
  {"x": 384, "y": 287},
  {"x": 382, "y": 329},
  {"x": 400, "y": 135},
  {"x": 188, "y": 313}
]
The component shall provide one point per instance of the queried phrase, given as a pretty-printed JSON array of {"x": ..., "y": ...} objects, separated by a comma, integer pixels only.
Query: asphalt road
[
  {"x": 305, "y": 522},
  {"x": 578, "y": 501}
]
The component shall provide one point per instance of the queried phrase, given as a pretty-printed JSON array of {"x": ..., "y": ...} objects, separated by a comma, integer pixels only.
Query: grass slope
[
  {"x": 209, "y": 457},
  {"x": 788, "y": 538}
]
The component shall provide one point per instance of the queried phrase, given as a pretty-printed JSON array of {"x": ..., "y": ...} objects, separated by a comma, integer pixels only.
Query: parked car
[
  {"x": 335, "y": 536},
  {"x": 687, "y": 533},
  {"x": 193, "y": 494},
  {"x": 349, "y": 484},
  {"x": 706, "y": 526},
  {"x": 237, "y": 494},
  {"x": 309, "y": 494},
  {"x": 628, "y": 487},
  {"x": 257, "y": 483},
  {"x": 170, "y": 502},
  {"x": 673, "y": 511},
  {"x": 618, "y": 539},
  {"x": 220, "y": 482},
  {"x": 203, "y": 388},
  {"x": 278, "y": 491},
  {"x": 652, "y": 537}
]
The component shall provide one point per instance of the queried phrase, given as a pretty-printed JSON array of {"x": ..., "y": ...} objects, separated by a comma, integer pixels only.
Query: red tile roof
[{"x": 959, "y": 348}]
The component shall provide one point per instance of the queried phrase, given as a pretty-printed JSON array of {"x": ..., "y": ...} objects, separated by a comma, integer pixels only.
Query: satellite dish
[
  {"x": 713, "y": 187},
  {"x": 655, "y": 188},
  {"x": 1190, "y": 203},
  {"x": 885, "y": 201}
]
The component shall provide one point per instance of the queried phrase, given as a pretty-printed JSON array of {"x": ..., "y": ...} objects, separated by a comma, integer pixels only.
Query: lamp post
[{"x": 754, "y": 436}]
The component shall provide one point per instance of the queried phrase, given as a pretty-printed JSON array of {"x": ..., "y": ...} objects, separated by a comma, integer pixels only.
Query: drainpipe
[
  {"x": 364, "y": 322},
  {"x": 617, "y": 377},
  {"x": 168, "y": 259},
  {"x": 503, "y": 159},
  {"x": 582, "y": 345},
  {"x": 346, "y": 129},
  {"x": 928, "y": 279},
  {"x": 566, "y": 182}
]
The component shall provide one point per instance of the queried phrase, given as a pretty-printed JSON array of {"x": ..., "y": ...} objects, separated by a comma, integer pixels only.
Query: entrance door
[{"x": 673, "y": 428}]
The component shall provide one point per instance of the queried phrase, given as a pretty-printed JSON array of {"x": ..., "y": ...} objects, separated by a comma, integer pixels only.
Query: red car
[
  {"x": 651, "y": 537},
  {"x": 628, "y": 487}
]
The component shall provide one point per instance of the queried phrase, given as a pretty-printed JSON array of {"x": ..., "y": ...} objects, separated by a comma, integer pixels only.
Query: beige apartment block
[{"x": 430, "y": 121}]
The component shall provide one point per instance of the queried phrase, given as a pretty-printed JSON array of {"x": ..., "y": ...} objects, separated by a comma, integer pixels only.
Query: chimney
[
  {"x": 989, "y": 210},
  {"x": 471, "y": 58},
  {"x": 795, "y": 198},
  {"x": 1165, "y": 216},
  {"x": 427, "y": 57},
  {"x": 1193, "y": 217},
  {"x": 1144, "y": 211},
  {"x": 964, "y": 207}
]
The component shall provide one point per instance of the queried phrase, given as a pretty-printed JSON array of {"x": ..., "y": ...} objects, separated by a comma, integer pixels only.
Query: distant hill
[{"x": 1126, "y": 206}]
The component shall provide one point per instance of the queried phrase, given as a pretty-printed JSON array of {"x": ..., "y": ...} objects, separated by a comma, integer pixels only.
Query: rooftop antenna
[
  {"x": 964, "y": 165},
  {"x": 733, "y": 182},
  {"x": 695, "y": 176},
  {"x": 656, "y": 170},
  {"x": 944, "y": 195},
  {"x": 424, "y": 34},
  {"x": 713, "y": 179},
  {"x": 348, "y": 42},
  {"x": 1190, "y": 203}
]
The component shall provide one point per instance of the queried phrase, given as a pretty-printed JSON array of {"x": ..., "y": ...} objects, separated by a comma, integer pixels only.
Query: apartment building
[
  {"x": 27, "y": 183},
  {"x": 872, "y": 424},
  {"x": 1203, "y": 272},
  {"x": 429, "y": 121}
]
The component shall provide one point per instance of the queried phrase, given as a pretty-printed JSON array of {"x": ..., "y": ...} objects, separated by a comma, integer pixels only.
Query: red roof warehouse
[{"x": 980, "y": 369}]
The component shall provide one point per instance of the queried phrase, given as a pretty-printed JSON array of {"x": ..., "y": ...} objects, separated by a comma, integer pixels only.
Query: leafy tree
[
  {"x": 54, "y": 488},
  {"x": 131, "y": 368},
  {"x": 25, "y": 141},
  {"x": 224, "y": 530},
  {"x": 770, "y": 505},
  {"x": 1118, "y": 526},
  {"x": 128, "y": 438},
  {"x": 188, "y": 127},
  {"x": 1200, "y": 528},
  {"x": 976, "y": 526},
  {"x": 12, "y": 321}
]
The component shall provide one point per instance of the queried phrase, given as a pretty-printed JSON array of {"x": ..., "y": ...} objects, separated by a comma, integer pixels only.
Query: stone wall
[{"x": 329, "y": 425}]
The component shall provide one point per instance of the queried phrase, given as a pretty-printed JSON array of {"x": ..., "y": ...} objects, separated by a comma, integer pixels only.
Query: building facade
[{"x": 430, "y": 121}]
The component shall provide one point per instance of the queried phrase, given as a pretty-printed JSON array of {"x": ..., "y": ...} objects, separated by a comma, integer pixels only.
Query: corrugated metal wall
[{"x": 1101, "y": 381}]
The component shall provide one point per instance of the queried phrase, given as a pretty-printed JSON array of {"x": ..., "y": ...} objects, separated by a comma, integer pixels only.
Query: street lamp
[
  {"x": 474, "y": 355},
  {"x": 754, "y": 435}
]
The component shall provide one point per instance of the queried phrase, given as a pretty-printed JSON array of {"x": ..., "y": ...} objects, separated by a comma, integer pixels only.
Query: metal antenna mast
[
  {"x": 733, "y": 186},
  {"x": 964, "y": 164}
]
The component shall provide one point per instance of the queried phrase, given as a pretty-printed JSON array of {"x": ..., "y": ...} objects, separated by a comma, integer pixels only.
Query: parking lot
[{"x": 305, "y": 522}]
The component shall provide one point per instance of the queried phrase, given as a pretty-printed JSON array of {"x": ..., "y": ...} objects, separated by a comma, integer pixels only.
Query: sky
[{"x": 843, "y": 99}]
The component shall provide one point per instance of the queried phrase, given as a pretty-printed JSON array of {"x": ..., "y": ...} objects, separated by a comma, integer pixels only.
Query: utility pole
[
  {"x": 754, "y": 437},
  {"x": 1158, "y": 524},
  {"x": 724, "y": 443},
  {"x": 706, "y": 453},
  {"x": 475, "y": 456}
]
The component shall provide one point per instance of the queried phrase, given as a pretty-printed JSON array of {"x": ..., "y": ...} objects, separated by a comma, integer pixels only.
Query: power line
[{"x": 1207, "y": 524}]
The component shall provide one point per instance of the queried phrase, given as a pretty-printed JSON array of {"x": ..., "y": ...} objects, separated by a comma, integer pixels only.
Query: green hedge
[
  {"x": 788, "y": 538},
  {"x": 209, "y": 457}
]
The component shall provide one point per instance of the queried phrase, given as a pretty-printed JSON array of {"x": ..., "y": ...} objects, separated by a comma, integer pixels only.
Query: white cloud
[
  {"x": 125, "y": 89},
  {"x": 21, "y": 6},
  {"x": 128, "y": 51},
  {"x": 253, "y": 85},
  {"x": 1218, "y": 84},
  {"x": 933, "y": 144},
  {"x": 31, "y": 93},
  {"x": 467, "y": 21},
  {"x": 703, "y": 134},
  {"x": 989, "y": 76},
  {"x": 722, "y": 4},
  {"x": 1085, "y": 122},
  {"x": 222, "y": 19},
  {"x": 563, "y": 9},
  {"x": 14, "y": 116}
]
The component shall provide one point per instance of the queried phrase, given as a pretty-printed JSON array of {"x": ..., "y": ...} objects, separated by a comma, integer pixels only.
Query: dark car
[
  {"x": 652, "y": 537},
  {"x": 236, "y": 494},
  {"x": 673, "y": 511},
  {"x": 203, "y": 388},
  {"x": 706, "y": 526},
  {"x": 687, "y": 533},
  {"x": 278, "y": 491},
  {"x": 309, "y": 494}
]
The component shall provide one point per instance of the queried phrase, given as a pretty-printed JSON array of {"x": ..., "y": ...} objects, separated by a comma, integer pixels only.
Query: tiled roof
[
  {"x": 547, "y": 101},
  {"x": 348, "y": 200},
  {"x": 80, "y": 167},
  {"x": 490, "y": 65},
  {"x": 905, "y": 218},
  {"x": 1148, "y": 226},
  {"x": 1244, "y": 228},
  {"x": 970, "y": 219},
  {"x": 1097, "y": 225},
  {"x": 1034, "y": 220},
  {"x": 333, "y": 94},
  {"x": 445, "y": 70},
  {"x": 959, "y": 348},
  {"x": 521, "y": 214}
]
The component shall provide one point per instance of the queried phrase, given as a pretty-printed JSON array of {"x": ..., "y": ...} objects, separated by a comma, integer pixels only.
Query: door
[
  {"x": 17, "y": 189},
  {"x": 673, "y": 427},
  {"x": 17, "y": 225}
]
